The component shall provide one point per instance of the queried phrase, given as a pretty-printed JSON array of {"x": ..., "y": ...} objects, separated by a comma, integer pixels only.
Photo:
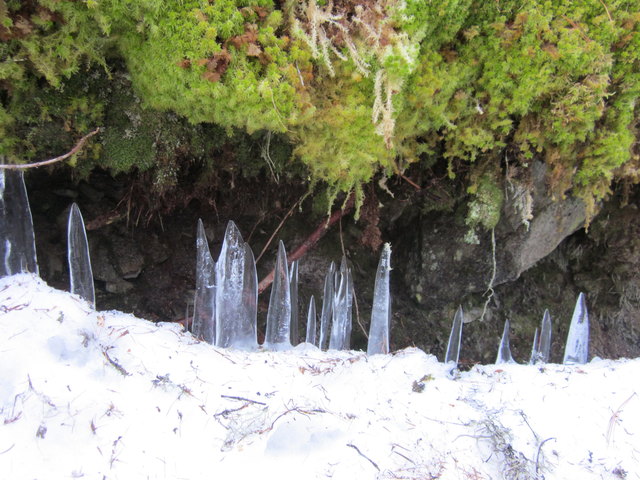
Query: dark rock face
[{"x": 439, "y": 266}]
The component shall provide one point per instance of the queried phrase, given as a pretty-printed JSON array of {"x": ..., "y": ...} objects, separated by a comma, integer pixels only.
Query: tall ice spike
[
  {"x": 577, "y": 348},
  {"x": 504, "y": 352},
  {"x": 80, "y": 274},
  {"x": 250, "y": 299},
  {"x": 205, "y": 298},
  {"x": 455, "y": 337},
  {"x": 293, "y": 290},
  {"x": 17, "y": 241},
  {"x": 381, "y": 309},
  {"x": 327, "y": 307},
  {"x": 342, "y": 305},
  {"x": 278, "y": 336},
  {"x": 534, "y": 349},
  {"x": 235, "y": 274},
  {"x": 311, "y": 322},
  {"x": 544, "y": 345}
]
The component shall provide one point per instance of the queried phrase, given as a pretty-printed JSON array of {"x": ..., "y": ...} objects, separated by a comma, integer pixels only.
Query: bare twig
[
  {"x": 275, "y": 232},
  {"x": 539, "y": 449},
  {"x": 410, "y": 182},
  {"x": 242, "y": 399},
  {"x": 363, "y": 455},
  {"x": 295, "y": 409},
  {"x": 8, "y": 449},
  {"x": 616, "y": 417},
  {"x": 355, "y": 303},
  {"x": 73, "y": 151},
  {"x": 311, "y": 240},
  {"x": 115, "y": 364}
]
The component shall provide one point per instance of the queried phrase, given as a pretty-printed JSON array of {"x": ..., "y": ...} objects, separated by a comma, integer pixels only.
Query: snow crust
[{"x": 87, "y": 394}]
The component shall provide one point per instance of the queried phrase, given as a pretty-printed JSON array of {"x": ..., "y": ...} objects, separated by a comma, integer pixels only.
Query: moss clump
[
  {"x": 485, "y": 206},
  {"x": 354, "y": 87}
]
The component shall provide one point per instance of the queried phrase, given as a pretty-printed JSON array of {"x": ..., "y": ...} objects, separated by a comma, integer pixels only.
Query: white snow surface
[{"x": 105, "y": 395}]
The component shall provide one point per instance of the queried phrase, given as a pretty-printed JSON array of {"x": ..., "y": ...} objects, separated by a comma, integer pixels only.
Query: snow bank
[{"x": 86, "y": 394}]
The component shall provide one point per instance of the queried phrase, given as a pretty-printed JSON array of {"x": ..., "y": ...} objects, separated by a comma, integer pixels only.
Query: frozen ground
[{"x": 86, "y": 394}]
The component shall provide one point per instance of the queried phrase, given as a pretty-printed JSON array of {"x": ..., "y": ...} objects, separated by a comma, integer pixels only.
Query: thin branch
[
  {"x": 311, "y": 240},
  {"x": 363, "y": 455},
  {"x": 355, "y": 302},
  {"x": 242, "y": 399},
  {"x": 539, "y": 449},
  {"x": 275, "y": 232},
  {"x": 73, "y": 151},
  {"x": 410, "y": 182}
]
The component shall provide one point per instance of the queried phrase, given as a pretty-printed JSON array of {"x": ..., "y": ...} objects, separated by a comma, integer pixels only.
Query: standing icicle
[
  {"x": 311, "y": 322},
  {"x": 577, "y": 348},
  {"x": 542, "y": 343},
  {"x": 279, "y": 313},
  {"x": 233, "y": 269},
  {"x": 381, "y": 309},
  {"x": 17, "y": 241},
  {"x": 342, "y": 304},
  {"x": 504, "y": 352},
  {"x": 80, "y": 274},
  {"x": 250, "y": 299},
  {"x": 293, "y": 290},
  {"x": 534, "y": 349},
  {"x": 455, "y": 337},
  {"x": 346, "y": 342},
  {"x": 327, "y": 307},
  {"x": 205, "y": 299}
]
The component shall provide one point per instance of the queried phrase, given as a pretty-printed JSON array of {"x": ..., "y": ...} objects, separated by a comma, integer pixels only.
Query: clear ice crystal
[
  {"x": 542, "y": 342},
  {"x": 311, "y": 322},
  {"x": 342, "y": 304},
  {"x": 544, "y": 345},
  {"x": 278, "y": 336},
  {"x": 250, "y": 298},
  {"x": 17, "y": 241},
  {"x": 381, "y": 308},
  {"x": 577, "y": 348},
  {"x": 236, "y": 293},
  {"x": 293, "y": 290},
  {"x": 205, "y": 297},
  {"x": 327, "y": 307},
  {"x": 504, "y": 352},
  {"x": 80, "y": 274},
  {"x": 534, "y": 349},
  {"x": 455, "y": 337}
]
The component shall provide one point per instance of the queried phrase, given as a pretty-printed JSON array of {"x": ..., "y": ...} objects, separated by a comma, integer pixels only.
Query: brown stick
[
  {"x": 275, "y": 232},
  {"x": 311, "y": 240},
  {"x": 73, "y": 151}
]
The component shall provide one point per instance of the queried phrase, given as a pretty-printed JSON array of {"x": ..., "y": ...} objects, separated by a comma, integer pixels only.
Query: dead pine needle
[
  {"x": 115, "y": 364},
  {"x": 539, "y": 450},
  {"x": 363, "y": 455},
  {"x": 615, "y": 418}
]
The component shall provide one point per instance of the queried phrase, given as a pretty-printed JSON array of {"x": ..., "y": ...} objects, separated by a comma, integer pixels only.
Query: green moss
[
  {"x": 460, "y": 79},
  {"x": 485, "y": 206}
]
